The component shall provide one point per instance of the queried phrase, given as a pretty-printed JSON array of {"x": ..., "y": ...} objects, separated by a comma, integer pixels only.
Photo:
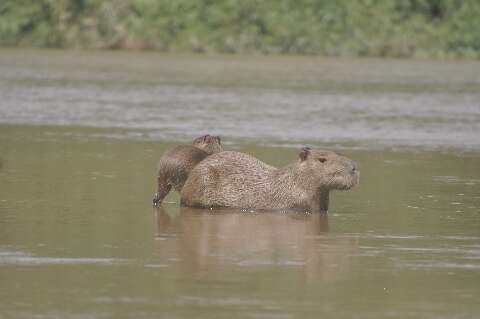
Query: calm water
[{"x": 80, "y": 137}]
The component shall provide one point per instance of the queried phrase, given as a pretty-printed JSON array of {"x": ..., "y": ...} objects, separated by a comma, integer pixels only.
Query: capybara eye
[{"x": 322, "y": 159}]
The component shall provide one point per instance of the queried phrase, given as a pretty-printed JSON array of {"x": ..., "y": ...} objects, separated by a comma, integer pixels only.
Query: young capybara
[{"x": 177, "y": 162}]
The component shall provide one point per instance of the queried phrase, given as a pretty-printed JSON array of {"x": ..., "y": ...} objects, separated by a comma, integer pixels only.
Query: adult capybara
[{"x": 233, "y": 179}]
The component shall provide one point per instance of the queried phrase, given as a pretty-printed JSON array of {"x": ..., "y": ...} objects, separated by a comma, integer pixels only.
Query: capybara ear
[
  {"x": 198, "y": 140},
  {"x": 218, "y": 139},
  {"x": 304, "y": 153}
]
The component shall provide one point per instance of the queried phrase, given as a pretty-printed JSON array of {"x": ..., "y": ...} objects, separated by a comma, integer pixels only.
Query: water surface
[
  {"x": 78, "y": 238},
  {"x": 283, "y": 100},
  {"x": 80, "y": 137}
]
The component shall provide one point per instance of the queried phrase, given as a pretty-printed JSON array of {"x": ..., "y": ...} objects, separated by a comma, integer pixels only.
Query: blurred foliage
[{"x": 398, "y": 28}]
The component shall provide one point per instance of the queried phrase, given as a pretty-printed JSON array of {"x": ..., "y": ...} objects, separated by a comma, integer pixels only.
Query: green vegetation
[{"x": 398, "y": 28}]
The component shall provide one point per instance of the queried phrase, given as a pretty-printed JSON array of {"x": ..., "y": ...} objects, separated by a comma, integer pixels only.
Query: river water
[{"x": 80, "y": 136}]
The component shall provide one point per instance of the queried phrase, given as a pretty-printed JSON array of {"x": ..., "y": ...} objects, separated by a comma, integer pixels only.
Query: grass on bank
[{"x": 394, "y": 28}]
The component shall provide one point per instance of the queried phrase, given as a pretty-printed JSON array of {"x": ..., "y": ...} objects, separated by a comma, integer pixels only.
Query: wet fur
[
  {"x": 233, "y": 179},
  {"x": 177, "y": 162}
]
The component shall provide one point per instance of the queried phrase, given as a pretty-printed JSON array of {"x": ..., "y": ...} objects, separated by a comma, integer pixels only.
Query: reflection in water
[{"x": 206, "y": 239}]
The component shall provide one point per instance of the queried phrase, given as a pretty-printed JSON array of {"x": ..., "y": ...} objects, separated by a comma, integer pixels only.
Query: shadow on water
[{"x": 215, "y": 239}]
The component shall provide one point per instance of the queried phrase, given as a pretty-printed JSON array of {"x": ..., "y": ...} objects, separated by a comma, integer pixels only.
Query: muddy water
[
  {"x": 81, "y": 136},
  {"x": 275, "y": 100}
]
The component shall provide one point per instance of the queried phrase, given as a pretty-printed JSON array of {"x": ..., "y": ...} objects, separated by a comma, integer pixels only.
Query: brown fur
[
  {"x": 233, "y": 179},
  {"x": 177, "y": 162}
]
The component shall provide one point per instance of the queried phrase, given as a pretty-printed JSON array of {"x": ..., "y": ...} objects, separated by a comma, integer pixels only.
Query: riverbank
[{"x": 413, "y": 29}]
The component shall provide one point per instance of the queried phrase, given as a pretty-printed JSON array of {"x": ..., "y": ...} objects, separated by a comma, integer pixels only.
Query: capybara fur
[
  {"x": 234, "y": 179},
  {"x": 177, "y": 162}
]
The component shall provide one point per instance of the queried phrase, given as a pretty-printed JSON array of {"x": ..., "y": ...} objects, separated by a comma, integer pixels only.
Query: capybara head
[
  {"x": 327, "y": 170},
  {"x": 209, "y": 143}
]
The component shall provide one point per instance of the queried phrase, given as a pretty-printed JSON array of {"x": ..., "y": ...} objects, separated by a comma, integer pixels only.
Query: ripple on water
[
  {"x": 20, "y": 258},
  {"x": 423, "y": 252},
  {"x": 456, "y": 180},
  {"x": 440, "y": 265},
  {"x": 252, "y": 308}
]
